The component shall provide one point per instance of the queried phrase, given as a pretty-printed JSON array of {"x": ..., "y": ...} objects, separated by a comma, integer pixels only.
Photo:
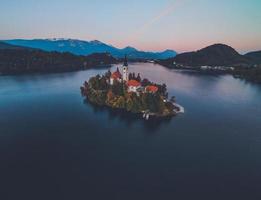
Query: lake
[{"x": 55, "y": 146}]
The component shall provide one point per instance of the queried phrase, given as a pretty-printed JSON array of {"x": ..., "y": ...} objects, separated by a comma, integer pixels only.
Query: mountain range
[
  {"x": 15, "y": 59},
  {"x": 80, "y": 47}
]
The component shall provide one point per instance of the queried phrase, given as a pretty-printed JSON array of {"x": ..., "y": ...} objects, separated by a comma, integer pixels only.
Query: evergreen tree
[
  {"x": 138, "y": 77},
  {"x": 133, "y": 76},
  {"x": 108, "y": 74},
  {"x": 164, "y": 89},
  {"x": 130, "y": 76}
]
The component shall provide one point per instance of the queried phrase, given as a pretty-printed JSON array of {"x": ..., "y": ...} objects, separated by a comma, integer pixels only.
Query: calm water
[{"x": 53, "y": 146}]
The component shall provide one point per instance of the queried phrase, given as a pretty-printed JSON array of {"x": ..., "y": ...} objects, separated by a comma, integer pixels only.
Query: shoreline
[
  {"x": 130, "y": 92},
  {"x": 146, "y": 114}
]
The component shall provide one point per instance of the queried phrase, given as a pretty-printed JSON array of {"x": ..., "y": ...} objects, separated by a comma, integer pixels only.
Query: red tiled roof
[
  {"x": 133, "y": 83},
  {"x": 116, "y": 75},
  {"x": 152, "y": 88}
]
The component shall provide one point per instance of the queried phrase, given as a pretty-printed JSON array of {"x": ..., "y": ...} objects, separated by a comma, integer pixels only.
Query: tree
[
  {"x": 93, "y": 82},
  {"x": 136, "y": 105},
  {"x": 130, "y": 76},
  {"x": 145, "y": 82},
  {"x": 118, "y": 88},
  {"x": 110, "y": 95},
  {"x": 151, "y": 104},
  {"x": 155, "y": 103},
  {"x": 164, "y": 89},
  {"x": 160, "y": 103},
  {"x": 103, "y": 85},
  {"x": 108, "y": 74},
  {"x": 120, "y": 102},
  {"x": 86, "y": 84},
  {"x": 138, "y": 78},
  {"x": 144, "y": 105},
  {"x": 99, "y": 83},
  {"x": 129, "y": 104},
  {"x": 101, "y": 97}
]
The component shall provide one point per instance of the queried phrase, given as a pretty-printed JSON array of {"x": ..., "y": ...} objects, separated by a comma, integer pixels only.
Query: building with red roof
[
  {"x": 115, "y": 76},
  {"x": 151, "y": 89},
  {"x": 133, "y": 85}
]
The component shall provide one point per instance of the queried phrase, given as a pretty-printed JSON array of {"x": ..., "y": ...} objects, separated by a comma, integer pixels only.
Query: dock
[{"x": 181, "y": 108}]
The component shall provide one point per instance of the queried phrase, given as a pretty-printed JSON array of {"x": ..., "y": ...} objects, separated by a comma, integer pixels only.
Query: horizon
[
  {"x": 57, "y": 39},
  {"x": 144, "y": 25}
]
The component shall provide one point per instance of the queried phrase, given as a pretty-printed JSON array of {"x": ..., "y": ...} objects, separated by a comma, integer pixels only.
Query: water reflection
[
  {"x": 50, "y": 138},
  {"x": 129, "y": 119}
]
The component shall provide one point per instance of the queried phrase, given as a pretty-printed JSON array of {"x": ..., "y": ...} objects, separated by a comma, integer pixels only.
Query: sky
[{"x": 155, "y": 25}]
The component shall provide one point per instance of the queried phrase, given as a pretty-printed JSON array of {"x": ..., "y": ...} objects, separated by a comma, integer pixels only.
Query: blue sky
[{"x": 182, "y": 25}]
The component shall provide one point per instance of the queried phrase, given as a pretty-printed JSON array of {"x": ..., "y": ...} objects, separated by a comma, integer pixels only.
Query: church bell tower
[{"x": 125, "y": 70}]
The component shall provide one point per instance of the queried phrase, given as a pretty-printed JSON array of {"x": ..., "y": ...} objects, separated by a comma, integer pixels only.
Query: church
[
  {"x": 117, "y": 76},
  {"x": 133, "y": 85}
]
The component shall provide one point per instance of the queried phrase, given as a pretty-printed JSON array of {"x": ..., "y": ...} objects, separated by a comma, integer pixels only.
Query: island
[{"x": 129, "y": 92}]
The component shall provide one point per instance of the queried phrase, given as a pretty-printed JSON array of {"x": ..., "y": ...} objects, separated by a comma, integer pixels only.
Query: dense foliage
[
  {"x": 251, "y": 74},
  {"x": 98, "y": 91},
  {"x": 15, "y": 61},
  {"x": 214, "y": 55}
]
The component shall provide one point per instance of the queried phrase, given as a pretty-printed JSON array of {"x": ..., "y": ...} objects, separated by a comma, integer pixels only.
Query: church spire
[
  {"x": 125, "y": 69},
  {"x": 125, "y": 61}
]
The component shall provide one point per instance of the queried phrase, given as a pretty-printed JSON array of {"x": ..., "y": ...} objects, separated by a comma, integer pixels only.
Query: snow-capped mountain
[{"x": 80, "y": 47}]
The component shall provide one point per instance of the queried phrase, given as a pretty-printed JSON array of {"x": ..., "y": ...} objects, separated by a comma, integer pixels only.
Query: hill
[
  {"x": 16, "y": 60},
  {"x": 214, "y": 55},
  {"x": 254, "y": 56},
  {"x": 80, "y": 47},
  {"x": 4, "y": 45}
]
